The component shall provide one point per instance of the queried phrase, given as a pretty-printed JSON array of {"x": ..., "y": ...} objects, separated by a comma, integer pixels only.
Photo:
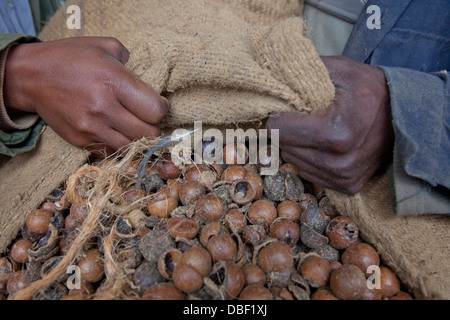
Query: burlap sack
[{"x": 225, "y": 62}]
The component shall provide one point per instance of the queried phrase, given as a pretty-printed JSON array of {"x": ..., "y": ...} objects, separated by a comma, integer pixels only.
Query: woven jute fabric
[
  {"x": 227, "y": 62},
  {"x": 222, "y": 61}
]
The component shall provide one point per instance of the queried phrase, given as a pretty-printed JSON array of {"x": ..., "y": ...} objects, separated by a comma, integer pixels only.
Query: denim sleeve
[{"x": 420, "y": 173}]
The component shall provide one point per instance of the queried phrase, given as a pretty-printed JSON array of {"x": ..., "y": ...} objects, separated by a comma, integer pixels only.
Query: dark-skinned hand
[
  {"x": 82, "y": 90},
  {"x": 341, "y": 148}
]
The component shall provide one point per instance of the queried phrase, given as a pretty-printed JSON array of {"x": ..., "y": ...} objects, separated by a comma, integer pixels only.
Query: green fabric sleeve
[
  {"x": 20, "y": 141},
  {"x": 15, "y": 142}
]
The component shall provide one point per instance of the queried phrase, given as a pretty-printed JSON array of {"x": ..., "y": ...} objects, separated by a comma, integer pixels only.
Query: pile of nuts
[{"x": 206, "y": 232}]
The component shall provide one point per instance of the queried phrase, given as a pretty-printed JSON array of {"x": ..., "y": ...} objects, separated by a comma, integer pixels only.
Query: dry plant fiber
[{"x": 235, "y": 61}]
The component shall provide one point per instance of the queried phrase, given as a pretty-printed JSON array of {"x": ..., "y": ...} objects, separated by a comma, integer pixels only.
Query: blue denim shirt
[{"x": 413, "y": 49}]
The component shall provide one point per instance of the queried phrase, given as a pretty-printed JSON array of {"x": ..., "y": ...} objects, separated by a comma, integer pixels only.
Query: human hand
[
  {"x": 341, "y": 148},
  {"x": 81, "y": 88}
]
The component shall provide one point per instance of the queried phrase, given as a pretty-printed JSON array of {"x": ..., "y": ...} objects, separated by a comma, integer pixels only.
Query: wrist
[{"x": 16, "y": 78}]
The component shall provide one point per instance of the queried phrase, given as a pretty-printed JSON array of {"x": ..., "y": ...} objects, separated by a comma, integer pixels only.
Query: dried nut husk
[
  {"x": 211, "y": 229},
  {"x": 254, "y": 234},
  {"x": 7, "y": 268},
  {"x": 328, "y": 253},
  {"x": 146, "y": 274},
  {"x": 128, "y": 259},
  {"x": 203, "y": 175},
  {"x": 167, "y": 262},
  {"x": 50, "y": 265},
  {"x": 281, "y": 278},
  {"x": 225, "y": 281},
  {"x": 311, "y": 238},
  {"x": 154, "y": 243},
  {"x": 123, "y": 228},
  {"x": 153, "y": 183},
  {"x": 294, "y": 187},
  {"x": 46, "y": 245},
  {"x": 242, "y": 192},
  {"x": 137, "y": 218},
  {"x": 274, "y": 186},
  {"x": 298, "y": 293},
  {"x": 54, "y": 293},
  {"x": 315, "y": 217},
  {"x": 281, "y": 294},
  {"x": 276, "y": 256}
]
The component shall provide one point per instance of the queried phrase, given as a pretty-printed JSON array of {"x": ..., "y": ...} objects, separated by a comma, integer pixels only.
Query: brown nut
[
  {"x": 401, "y": 295},
  {"x": 276, "y": 256},
  {"x": 183, "y": 227},
  {"x": 167, "y": 169},
  {"x": 91, "y": 266},
  {"x": 38, "y": 221},
  {"x": 210, "y": 208},
  {"x": 198, "y": 258},
  {"x": 289, "y": 209},
  {"x": 348, "y": 282},
  {"x": 257, "y": 183},
  {"x": 133, "y": 194},
  {"x": 167, "y": 262},
  {"x": 323, "y": 294},
  {"x": 222, "y": 247},
  {"x": 235, "y": 221},
  {"x": 242, "y": 192},
  {"x": 253, "y": 275},
  {"x": 342, "y": 232},
  {"x": 163, "y": 208},
  {"x": 17, "y": 282},
  {"x": 162, "y": 291},
  {"x": 255, "y": 292},
  {"x": 316, "y": 271},
  {"x": 285, "y": 230},
  {"x": 307, "y": 199},
  {"x": 7, "y": 268},
  {"x": 19, "y": 250},
  {"x": 190, "y": 192},
  {"x": 315, "y": 217},
  {"x": 186, "y": 278},
  {"x": 235, "y": 153},
  {"x": 361, "y": 255},
  {"x": 262, "y": 212},
  {"x": 234, "y": 173},
  {"x": 389, "y": 283},
  {"x": 203, "y": 175}
]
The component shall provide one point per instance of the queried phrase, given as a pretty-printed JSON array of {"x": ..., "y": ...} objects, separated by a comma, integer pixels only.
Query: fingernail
[{"x": 166, "y": 102}]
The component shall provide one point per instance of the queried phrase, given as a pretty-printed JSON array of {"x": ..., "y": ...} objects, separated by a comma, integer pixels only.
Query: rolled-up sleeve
[
  {"x": 19, "y": 133},
  {"x": 420, "y": 173}
]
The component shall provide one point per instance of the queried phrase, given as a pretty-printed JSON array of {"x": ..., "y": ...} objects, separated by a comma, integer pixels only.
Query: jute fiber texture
[
  {"x": 28, "y": 179},
  {"x": 222, "y": 62},
  {"x": 228, "y": 62}
]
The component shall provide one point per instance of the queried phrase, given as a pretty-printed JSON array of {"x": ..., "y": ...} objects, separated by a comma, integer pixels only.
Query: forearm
[{"x": 420, "y": 174}]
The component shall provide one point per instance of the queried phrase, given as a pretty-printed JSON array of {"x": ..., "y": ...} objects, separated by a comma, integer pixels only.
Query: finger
[
  {"x": 140, "y": 99},
  {"x": 112, "y": 138},
  {"x": 131, "y": 126},
  {"x": 309, "y": 172},
  {"x": 298, "y": 129}
]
